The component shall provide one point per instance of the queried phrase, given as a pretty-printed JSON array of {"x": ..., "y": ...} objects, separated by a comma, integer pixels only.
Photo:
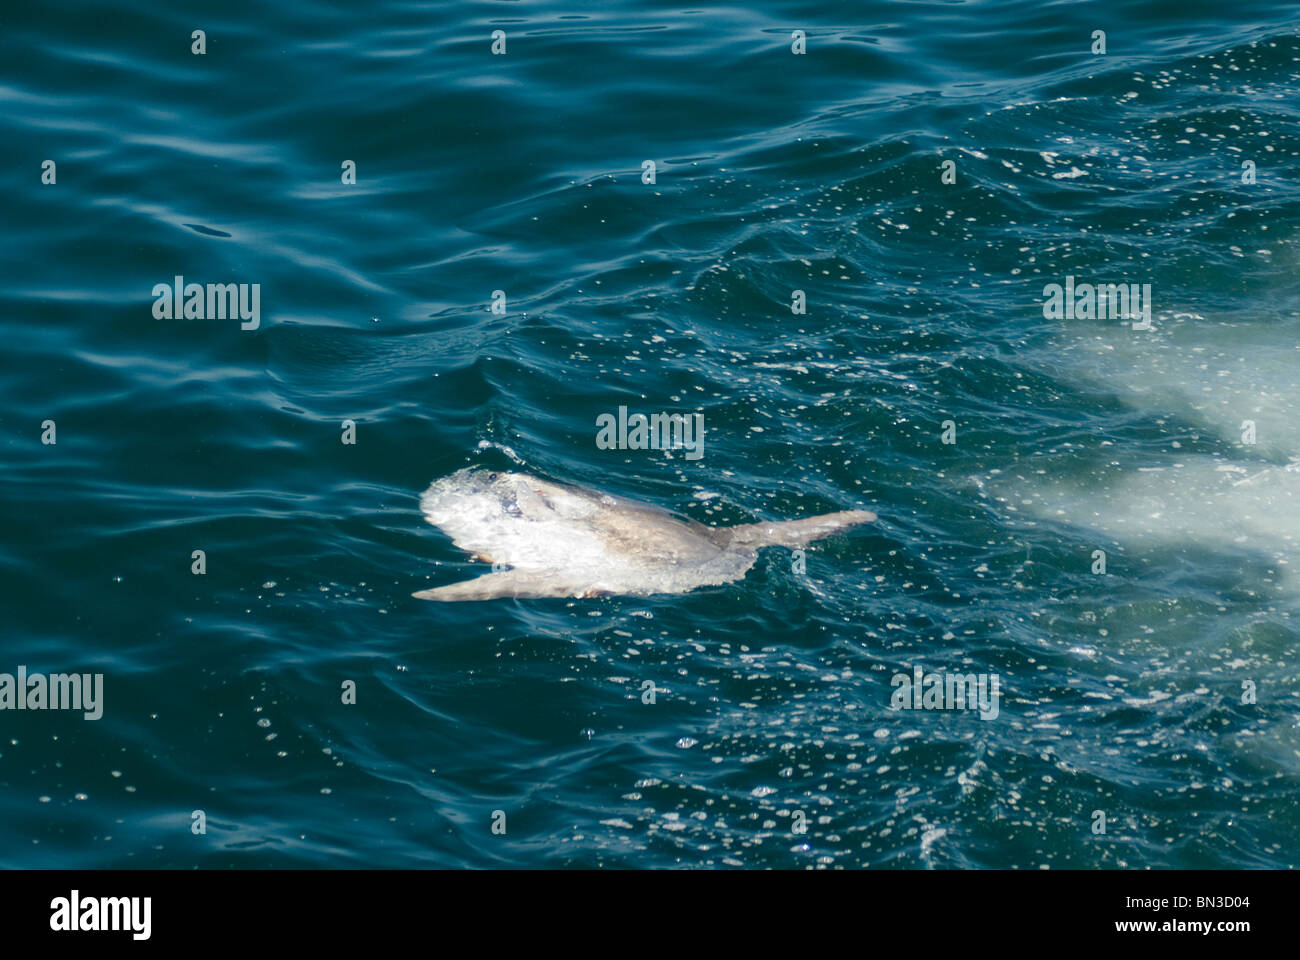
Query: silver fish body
[{"x": 565, "y": 541}]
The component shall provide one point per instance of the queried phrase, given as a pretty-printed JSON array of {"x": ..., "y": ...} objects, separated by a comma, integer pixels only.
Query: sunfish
[{"x": 562, "y": 541}]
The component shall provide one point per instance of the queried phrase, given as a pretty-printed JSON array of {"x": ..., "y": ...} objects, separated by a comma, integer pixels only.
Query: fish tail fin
[{"x": 798, "y": 533}]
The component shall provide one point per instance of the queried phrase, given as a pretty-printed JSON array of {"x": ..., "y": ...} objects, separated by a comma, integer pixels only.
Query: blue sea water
[{"x": 1161, "y": 693}]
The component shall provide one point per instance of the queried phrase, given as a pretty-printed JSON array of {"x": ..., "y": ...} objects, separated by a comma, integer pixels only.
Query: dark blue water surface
[{"x": 1163, "y": 693}]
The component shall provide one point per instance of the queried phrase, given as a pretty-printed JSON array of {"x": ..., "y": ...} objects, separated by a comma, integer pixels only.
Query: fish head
[{"x": 492, "y": 494}]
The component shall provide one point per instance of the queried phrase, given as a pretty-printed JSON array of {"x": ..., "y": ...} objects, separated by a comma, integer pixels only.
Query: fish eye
[{"x": 492, "y": 476}]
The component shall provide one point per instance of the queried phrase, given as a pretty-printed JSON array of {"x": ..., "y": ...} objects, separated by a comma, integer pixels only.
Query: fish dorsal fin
[
  {"x": 794, "y": 533},
  {"x": 525, "y": 584}
]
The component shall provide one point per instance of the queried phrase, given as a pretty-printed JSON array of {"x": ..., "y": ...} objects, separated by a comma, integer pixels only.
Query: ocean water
[{"x": 1163, "y": 693}]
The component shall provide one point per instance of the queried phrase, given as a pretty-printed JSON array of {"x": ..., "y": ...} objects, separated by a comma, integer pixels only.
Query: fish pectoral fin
[
  {"x": 524, "y": 584},
  {"x": 796, "y": 533}
]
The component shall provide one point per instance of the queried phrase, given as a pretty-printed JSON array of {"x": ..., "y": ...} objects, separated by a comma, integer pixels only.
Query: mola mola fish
[{"x": 563, "y": 541}]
